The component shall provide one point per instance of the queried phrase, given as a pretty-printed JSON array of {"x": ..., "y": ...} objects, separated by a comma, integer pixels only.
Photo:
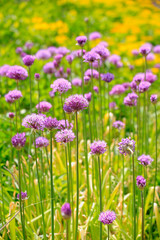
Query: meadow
[{"x": 79, "y": 129}]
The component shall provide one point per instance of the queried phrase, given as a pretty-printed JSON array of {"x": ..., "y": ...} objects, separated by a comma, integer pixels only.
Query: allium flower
[
  {"x": 126, "y": 85},
  {"x": 141, "y": 182},
  {"x": 62, "y": 125},
  {"x": 135, "y": 52},
  {"x": 70, "y": 58},
  {"x": 76, "y": 102},
  {"x": 41, "y": 142},
  {"x": 156, "y": 49},
  {"x": 107, "y": 77},
  {"x": 43, "y": 106},
  {"x": 19, "y": 50},
  {"x": 103, "y": 43},
  {"x": 52, "y": 50},
  {"x": 88, "y": 96},
  {"x": 28, "y": 60},
  {"x": 96, "y": 89},
  {"x": 86, "y": 79},
  {"x": 79, "y": 53},
  {"x": 102, "y": 51},
  {"x": 19, "y": 140},
  {"x": 126, "y": 146},
  {"x": 114, "y": 59},
  {"x": 131, "y": 102},
  {"x": 91, "y": 57},
  {"x": 119, "y": 64},
  {"x": 63, "y": 51},
  {"x": 81, "y": 40},
  {"x": 153, "y": 98},
  {"x": 150, "y": 77},
  {"x": 145, "y": 49},
  {"x": 48, "y": 68},
  {"x": 107, "y": 217},
  {"x": 118, "y": 124},
  {"x": 67, "y": 109},
  {"x": 12, "y": 96},
  {"x": 66, "y": 211},
  {"x": 89, "y": 73},
  {"x": 117, "y": 89},
  {"x": 51, "y": 94},
  {"x": 58, "y": 58},
  {"x": 139, "y": 77},
  {"x": 43, "y": 54},
  {"x": 17, "y": 73},
  {"x": 51, "y": 123},
  {"x": 157, "y": 66},
  {"x": 94, "y": 35},
  {"x": 150, "y": 57},
  {"x": 145, "y": 160},
  {"x": 61, "y": 85},
  {"x": 37, "y": 76},
  {"x": 133, "y": 96},
  {"x": 64, "y": 136},
  {"x": 143, "y": 86},
  {"x": 11, "y": 115},
  {"x": 34, "y": 121},
  {"x": 29, "y": 45},
  {"x": 98, "y": 147},
  {"x": 3, "y": 70},
  {"x": 112, "y": 105},
  {"x": 23, "y": 196},
  {"x": 77, "y": 82}
]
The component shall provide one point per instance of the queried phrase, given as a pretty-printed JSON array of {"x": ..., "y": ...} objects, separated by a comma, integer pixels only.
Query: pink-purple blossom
[
  {"x": 41, "y": 142},
  {"x": 141, "y": 182},
  {"x": 65, "y": 136},
  {"x": 98, "y": 147},
  {"x": 19, "y": 140},
  {"x": 76, "y": 102},
  {"x": 61, "y": 85},
  {"x": 107, "y": 217}
]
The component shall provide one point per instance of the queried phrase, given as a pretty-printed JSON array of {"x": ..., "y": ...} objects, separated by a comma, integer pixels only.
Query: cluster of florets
[
  {"x": 98, "y": 147},
  {"x": 107, "y": 217},
  {"x": 24, "y": 196},
  {"x": 66, "y": 211},
  {"x": 28, "y": 60},
  {"x": 34, "y": 121},
  {"x": 61, "y": 85},
  {"x": 126, "y": 146},
  {"x": 62, "y": 124},
  {"x": 141, "y": 182},
  {"x": 76, "y": 102},
  {"x": 145, "y": 160},
  {"x": 43, "y": 106},
  {"x": 51, "y": 123},
  {"x": 117, "y": 90},
  {"x": 118, "y": 125},
  {"x": 64, "y": 136},
  {"x": 41, "y": 142},
  {"x": 19, "y": 140},
  {"x": 131, "y": 99},
  {"x": 17, "y": 73},
  {"x": 153, "y": 98},
  {"x": 12, "y": 96},
  {"x": 107, "y": 77}
]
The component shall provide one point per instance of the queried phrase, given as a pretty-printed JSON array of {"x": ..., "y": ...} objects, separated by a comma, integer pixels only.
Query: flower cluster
[
  {"x": 145, "y": 160},
  {"x": 153, "y": 98},
  {"x": 43, "y": 106},
  {"x": 28, "y": 60},
  {"x": 41, "y": 142},
  {"x": 126, "y": 146},
  {"x": 62, "y": 124},
  {"x": 64, "y": 136},
  {"x": 98, "y": 147},
  {"x": 17, "y": 73},
  {"x": 141, "y": 182},
  {"x": 107, "y": 217},
  {"x": 23, "y": 196},
  {"x": 34, "y": 121},
  {"x": 61, "y": 85},
  {"x": 12, "y": 96},
  {"x": 51, "y": 123},
  {"x": 118, "y": 125},
  {"x": 76, "y": 102},
  {"x": 19, "y": 140},
  {"x": 66, "y": 211}
]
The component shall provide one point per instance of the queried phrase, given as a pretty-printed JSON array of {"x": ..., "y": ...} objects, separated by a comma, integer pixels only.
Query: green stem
[
  {"x": 77, "y": 170},
  {"x": 108, "y": 231},
  {"x": 52, "y": 187},
  {"x": 68, "y": 185},
  {"x": 109, "y": 155},
  {"x": 100, "y": 193},
  {"x": 123, "y": 186},
  {"x": 142, "y": 215},
  {"x": 93, "y": 102},
  {"x": 134, "y": 213},
  {"x": 30, "y": 83}
]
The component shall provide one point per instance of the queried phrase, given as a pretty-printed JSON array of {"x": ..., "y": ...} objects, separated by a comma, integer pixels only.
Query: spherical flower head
[
  {"x": 112, "y": 105},
  {"x": 11, "y": 115},
  {"x": 70, "y": 58},
  {"x": 156, "y": 49},
  {"x": 48, "y": 68},
  {"x": 117, "y": 90},
  {"x": 86, "y": 79},
  {"x": 98, "y": 147},
  {"x": 34, "y": 121},
  {"x": 102, "y": 51},
  {"x": 41, "y": 142},
  {"x": 81, "y": 40},
  {"x": 88, "y": 96},
  {"x": 157, "y": 65},
  {"x": 107, "y": 217},
  {"x": 61, "y": 85},
  {"x": 126, "y": 146},
  {"x": 66, "y": 211},
  {"x": 12, "y": 96},
  {"x": 28, "y": 45},
  {"x": 139, "y": 77},
  {"x": 52, "y": 50},
  {"x": 51, "y": 123},
  {"x": 130, "y": 102},
  {"x": 51, "y": 94},
  {"x": 77, "y": 102},
  {"x": 79, "y": 53},
  {"x": 65, "y": 136},
  {"x": 144, "y": 86},
  {"x": 91, "y": 57},
  {"x": 107, "y": 77},
  {"x": 145, "y": 49},
  {"x": 153, "y": 98},
  {"x": 103, "y": 43},
  {"x": 64, "y": 124},
  {"x": 17, "y": 73},
  {"x": 92, "y": 73},
  {"x": 19, "y": 50},
  {"x": 37, "y": 76},
  {"x": 119, "y": 64},
  {"x": 114, "y": 59},
  {"x": 43, "y": 106},
  {"x": 23, "y": 196},
  {"x": 63, "y": 51},
  {"x": 133, "y": 96},
  {"x": 126, "y": 85},
  {"x": 118, "y": 125},
  {"x": 150, "y": 77},
  {"x": 131, "y": 67},
  {"x": 43, "y": 54},
  {"x": 135, "y": 52},
  {"x": 19, "y": 140},
  {"x": 150, "y": 57},
  {"x": 94, "y": 35},
  {"x": 58, "y": 58},
  {"x": 77, "y": 82},
  {"x": 145, "y": 160},
  {"x": 3, "y": 70},
  {"x": 28, "y": 60},
  {"x": 67, "y": 109},
  {"x": 141, "y": 182},
  {"x": 96, "y": 89}
]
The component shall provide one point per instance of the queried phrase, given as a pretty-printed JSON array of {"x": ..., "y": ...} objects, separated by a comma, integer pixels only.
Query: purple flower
[
  {"x": 37, "y": 76},
  {"x": 107, "y": 77},
  {"x": 126, "y": 85},
  {"x": 157, "y": 66},
  {"x": 61, "y": 85},
  {"x": 64, "y": 136},
  {"x": 118, "y": 125},
  {"x": 131, "y": 67},
  {"x": 34, "y": 121},
  {"x": 112, "y": 105},
  {"x": 114, "y": 59},
  {"x": 51, "y": 94},
  {"x": 12, "y": 96},
  {"x": 150, "y": 77},
  {"x": 58, "y": 58},
  {"x": 102, "y": 51},
  {"x": 133, "y": 96},
  {"x": 49, "y": 68},
  {"x": 19, "y": 140},
  {"x": 52, "y": 50},
  {"x": 62, "y": 125},
  {"x": 93, "y": 72},
  {"x": 67, "y": 109},
  {"x": 145, "y": 160},
  {"x": 86, "y": 79},
  {"x": 11, "y": 115},
  {"x": 117, "y": 89},
  {"x": 135, "y": 52},
  {"x": 28, "y": 60},
  {"x": 70, "y": 58},
  {"x": 66, "y": 211},
  {"x": 88, "y": 96},
  {"x": 156, "y": 49},
  {"x": 23, "y": 196},
  {"x": 77, "y": 82},
  {"x": 78, "y": 53},
  {"x": 41, "y": 142},
  {"x": 131, "y": 102},
  {"x": 143, "y": 86},
  {"x": 63, "y": 51},
  {"x": 3, "y": 70},
  {"x": 76, "y": 102},
  {"x": 153, "y": 98},
  {"x": 91, "y": 57},
  {"x": 19, "y": 50},
  {"x": 126, "y": 146},
  {"x": 139, "y": 77},
  {"x": 81, "y": 40},
  {"x": 96, "y": 89},
  {"x": 51, "y": 123},
  {"x": 119, "y": 64},
  {"x": 145, "y": 49},
  {"x": 141, "y": 182},
  {"x": 29, "y": 45},
  {"x": 98, "y": 147},
  {"x": 94, "y": 35},
  {"x": 107, "y": 217},
  {"x": 43, "y": 54},
  {"x": 103, "y": 43},
  {"x": 43, "y": 106},
  {"x": 17, "y": 73},
  {"x": 150, "y": 57}
]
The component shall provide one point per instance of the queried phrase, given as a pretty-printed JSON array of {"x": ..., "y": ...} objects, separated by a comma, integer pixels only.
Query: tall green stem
[
  {"x": 109, "y": 155},
  {"x": 108, "y": 231},
  {"x": 134, "y": 209},
  {"x": 52, "y": 187},
  {"x": 30, "y": 84},
  {"x": 77, "y": 170},
  {"x": 100, "y": 193},
  {"x": 68, "y": 185},
  {"x": 142, "y": 215}
]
